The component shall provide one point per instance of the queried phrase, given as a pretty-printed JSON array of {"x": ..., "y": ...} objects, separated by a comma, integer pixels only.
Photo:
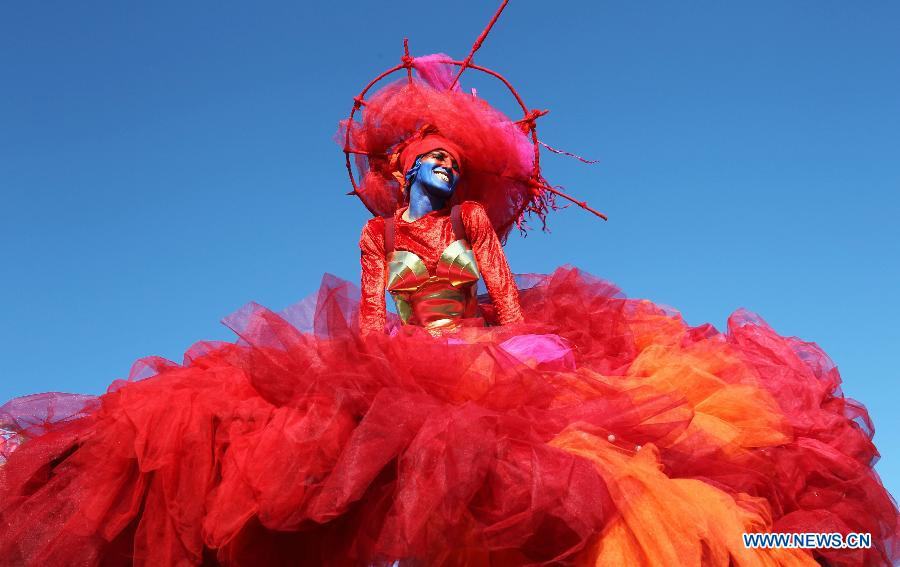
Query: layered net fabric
[
  {"x": 602, "y": 431},
  {"x": 498, "y": 157},
  {"x": 34, "y": 415}
]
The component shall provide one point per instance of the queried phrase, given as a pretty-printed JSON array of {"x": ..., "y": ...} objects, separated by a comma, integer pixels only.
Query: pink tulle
[
  {"x": 436, "y": 71},
  {"x": 548, "y": 352}
]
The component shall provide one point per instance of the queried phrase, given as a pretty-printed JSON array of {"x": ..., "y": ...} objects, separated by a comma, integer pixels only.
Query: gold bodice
[{"x": 435, "y": 301}]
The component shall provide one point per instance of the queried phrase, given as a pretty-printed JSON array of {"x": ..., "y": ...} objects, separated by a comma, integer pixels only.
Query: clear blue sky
[{"x": 162, "y": 163}]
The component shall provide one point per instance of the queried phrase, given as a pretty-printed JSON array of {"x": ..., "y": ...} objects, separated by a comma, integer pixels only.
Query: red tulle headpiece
[
  {"x": 406, "y": 119},
  {"x": 411, "y": 117}
]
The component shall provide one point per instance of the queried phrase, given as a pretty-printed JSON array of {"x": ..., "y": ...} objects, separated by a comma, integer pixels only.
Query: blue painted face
[{"x": 438, "y": 173}]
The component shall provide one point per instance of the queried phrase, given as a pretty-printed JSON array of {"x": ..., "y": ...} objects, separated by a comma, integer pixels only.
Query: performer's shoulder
[
  {"x": 374, "y": 223},
  {"x": 374, "y": 228},
  {"x": 472, "y": 208}
]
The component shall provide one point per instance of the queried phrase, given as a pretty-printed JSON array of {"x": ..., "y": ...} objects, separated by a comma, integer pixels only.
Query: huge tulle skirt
[{"x": 602, "y": 431}]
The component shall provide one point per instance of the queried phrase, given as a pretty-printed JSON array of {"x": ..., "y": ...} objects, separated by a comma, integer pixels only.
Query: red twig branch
[
  {"x": 540, "y": 202},
  {"x": 477, "y": 45},
  {"x": 559, "y": 193},
  {"x": 361, "y": 152},
  {"x": 565, "y": 153},
  {"x": 407, "y": 60}
]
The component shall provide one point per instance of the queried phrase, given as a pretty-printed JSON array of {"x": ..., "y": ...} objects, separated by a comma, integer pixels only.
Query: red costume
[
  {"x": 585, "y": 429},
  {"x": 428, "y": 238}
]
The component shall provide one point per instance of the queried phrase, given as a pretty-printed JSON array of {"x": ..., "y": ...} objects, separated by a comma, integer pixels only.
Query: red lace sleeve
[
  {"x": 372, "y": 315},
  {"x": 492, "y": 263}
]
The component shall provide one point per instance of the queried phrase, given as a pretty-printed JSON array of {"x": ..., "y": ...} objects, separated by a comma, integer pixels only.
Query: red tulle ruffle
[{"x": 650, "y": 442}]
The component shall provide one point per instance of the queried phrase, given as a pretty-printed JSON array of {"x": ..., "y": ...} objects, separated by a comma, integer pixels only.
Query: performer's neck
[{"x": 422, "y": 202}]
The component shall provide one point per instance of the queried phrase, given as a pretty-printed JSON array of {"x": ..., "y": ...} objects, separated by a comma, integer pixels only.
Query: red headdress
[
  {"x": 411, "y": 117},
  {"x": 500, "y": 159}
]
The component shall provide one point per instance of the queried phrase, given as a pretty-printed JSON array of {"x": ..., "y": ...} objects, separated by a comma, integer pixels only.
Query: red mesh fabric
[
  {"x": 497, "y": 156},
  {"x": 305, "y": 440}
]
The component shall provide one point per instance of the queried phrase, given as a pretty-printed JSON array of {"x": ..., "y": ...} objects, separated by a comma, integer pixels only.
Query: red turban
[{"x": 424, "y": 145}]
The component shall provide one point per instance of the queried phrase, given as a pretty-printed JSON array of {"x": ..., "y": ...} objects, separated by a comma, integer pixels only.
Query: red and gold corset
[
  {"x": 431, "y": 271},
  {"x": 437, "y": 302}
]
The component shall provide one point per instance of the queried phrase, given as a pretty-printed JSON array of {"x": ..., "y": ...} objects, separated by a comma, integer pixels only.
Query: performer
[
  {"x": 433, "y": 278},
  {"x": 554, "y": 423}
]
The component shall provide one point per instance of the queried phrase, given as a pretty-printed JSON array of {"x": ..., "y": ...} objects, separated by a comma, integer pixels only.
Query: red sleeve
[
  {"x": 372, "y": 314},
  {"x": 492, "y": 263}
]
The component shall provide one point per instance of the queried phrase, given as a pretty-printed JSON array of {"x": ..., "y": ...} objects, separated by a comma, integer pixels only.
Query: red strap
[
  {"x": 459, "y": 229},
  {"x": 388, "y": 236}
]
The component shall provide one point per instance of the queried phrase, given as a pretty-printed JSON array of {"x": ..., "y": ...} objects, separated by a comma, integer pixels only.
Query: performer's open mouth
[{"x": 442, "y": 174}]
